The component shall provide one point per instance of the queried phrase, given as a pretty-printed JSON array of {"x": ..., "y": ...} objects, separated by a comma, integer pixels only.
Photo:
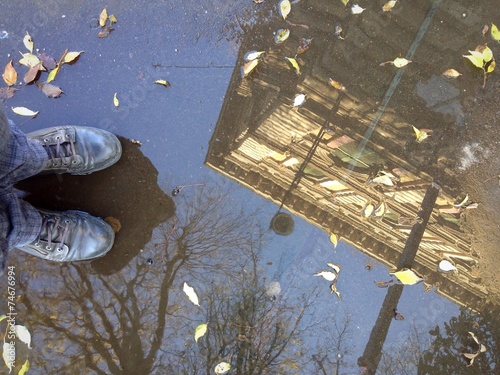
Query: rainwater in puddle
[{"x": 232, "y": 201}]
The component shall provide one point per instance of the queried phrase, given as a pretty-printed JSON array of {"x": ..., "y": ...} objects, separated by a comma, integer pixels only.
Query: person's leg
[
  {"x": 19, "y": 157},
  {"x": 52, "y": 235}
]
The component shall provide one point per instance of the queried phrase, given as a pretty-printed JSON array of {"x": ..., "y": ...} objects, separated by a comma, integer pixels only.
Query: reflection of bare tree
[{"x": 137, "y": 321}]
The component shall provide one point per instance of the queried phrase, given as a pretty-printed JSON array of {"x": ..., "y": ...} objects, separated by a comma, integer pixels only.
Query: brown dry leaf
[
  {"x": 9, "y": 74},
  {"x": 103, "y": 17},
  {"x": 485, "y": 30},
  {"x": 32, "y": 73},
  {"x": 336, "y": 85},
  {"x": 47, "y": 61},
  {"x": 50, "y": 90},
  {"x": 7, "y": 92},
  {"x": 105, "y": 32},
  {"x": 451, "y": 73},
  {"x": 71, "y": 56}
]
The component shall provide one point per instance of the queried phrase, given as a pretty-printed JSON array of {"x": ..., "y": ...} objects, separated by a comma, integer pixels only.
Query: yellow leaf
[
  {"x": 367, "y": 210},
  {"x": 29, "y": 60},
  {"x": 162, "y": 82},
  {"x": 248, "y": 67},
  {"x": 294, "y": 64},
  {"x": 23, "y": 111},
  {"x": 70, "y": 56},
  {"x": 334, "y": 240},
  {"x": 495, "y": 34},
  {"x": 407, "y": 277},
  {"x": 25, "y": 368},
  {"x": 53, "y": 73},
  {"x": 281, "y": 35},
  {"x": 389, "y": 5},
  {"x": 421, "y": 134},
  {"x": 451, "y": 73},
  {"x": 487, "y": 53},
  {"x": 475, "y": 58},
  {"x": 103, "y": 17},
  {"x": 9, "y": 74},
  {"x": 200, "y": 331},
  {"x": 399, "y": 62},
  {"x": 191, "y": 294},
  {"x": 285, "y": 8},
  {"x": 116, "y": 102},
  {"x": 113, "y": 19},
  {"x": 491, "y": 67},
  {"x": 28, "y": 42},
  {"x": 344, "y": 2}
]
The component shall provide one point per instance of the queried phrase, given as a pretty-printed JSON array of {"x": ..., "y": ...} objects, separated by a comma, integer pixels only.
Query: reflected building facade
[{"x": 345, "y": 152}]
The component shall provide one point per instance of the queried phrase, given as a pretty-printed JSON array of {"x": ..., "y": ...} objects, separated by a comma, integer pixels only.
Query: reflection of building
[{"x": 261, "y": 141}]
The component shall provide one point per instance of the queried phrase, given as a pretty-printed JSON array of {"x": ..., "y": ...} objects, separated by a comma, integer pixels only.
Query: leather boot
[
  {"x": 68, "y": 236},
  {"x": 77, "y": 150}
]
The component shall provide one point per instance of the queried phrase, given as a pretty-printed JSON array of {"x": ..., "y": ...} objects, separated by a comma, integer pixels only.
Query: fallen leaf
[
  {"x": 24, "y": 369},
  {"x": 344, "y": 2},
  {"x": 334, "y": 266},
  {"x": 451, "y": 73},
  {"x": 29, "y": 60},
  {"x": 162, "y": 82},
  {"x": 485, "y": 30},
  {"x": 105, "y": 32},
  {"x": 446, "y": 266},
  {"x": 7, "y": 92},
  {"x": 334, "y": 240},
  {"x": 294, "y": 64},
  {"x": 191, "y": 294},
  {"x": 23, "y": 334},
  {"x": 252, "y": 55},
  {"x": 476, "y": 58},
  {"x": 53, "y": 73},
  {"x": 299, "y": 100},
  {"x": 71, "y": 56},
  {"x": 407, "y": 276},
  {"x": 398, "y": 315},
  {"x": 356, "y": 9},
  {"x": 28, "y": 42},
  {"x": 23, "y": 111},
  {"x": 47, "y": 61},
  {"x": 248, "y": 67},
  {"x": 380, "y": 210},
  {"x": 384, "y": 180},
  {"x": 285, "y": 8},
  {"x": 9, "y": 74},
  {"x": 421, "y": 134},
  {"x": 463, "y": 201},
  {"x": 336, "y": 85},
  {"x": 50, "y": 90},
  {"x": 389, "y": 5},
  {"x": 103, "y": 17},
  {"x": 281, "y": 35},
  {"x": 200, "y": 331},
  {"x": 367, "y": 210},
  {"x": 304, "y": 45},
  {"x": 495, "y": 33},
  {"x": 32, "y": 73},
  {"x": 116, "y": 102},
  {"x": 222, "y": 368},
  {"x": 338, "y": 31},
  {"x": 112, "y": 19},
  {"x": 399, "y": 62},
  {"x": 384, "y": 284}
]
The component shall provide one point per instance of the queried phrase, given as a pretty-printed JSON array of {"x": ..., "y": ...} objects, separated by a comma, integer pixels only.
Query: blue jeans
[{"x": 20, "y": 158}]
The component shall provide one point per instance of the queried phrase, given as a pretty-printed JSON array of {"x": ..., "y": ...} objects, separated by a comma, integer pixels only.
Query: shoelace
[
  {"x": 55, "y": 230},
  {"x": 62, "y": 150}
]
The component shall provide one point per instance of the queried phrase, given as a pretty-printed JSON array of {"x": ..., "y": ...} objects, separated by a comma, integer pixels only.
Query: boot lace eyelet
[
  {"x": 59, "y": 249},
  {"x": 48, "y": 248},
  {"x": 74, "y": 162},
  {"x": 45, "y": 140}
]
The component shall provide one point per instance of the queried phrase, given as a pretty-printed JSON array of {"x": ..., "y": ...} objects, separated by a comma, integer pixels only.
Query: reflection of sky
[{"x": 175, "y": 124}]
